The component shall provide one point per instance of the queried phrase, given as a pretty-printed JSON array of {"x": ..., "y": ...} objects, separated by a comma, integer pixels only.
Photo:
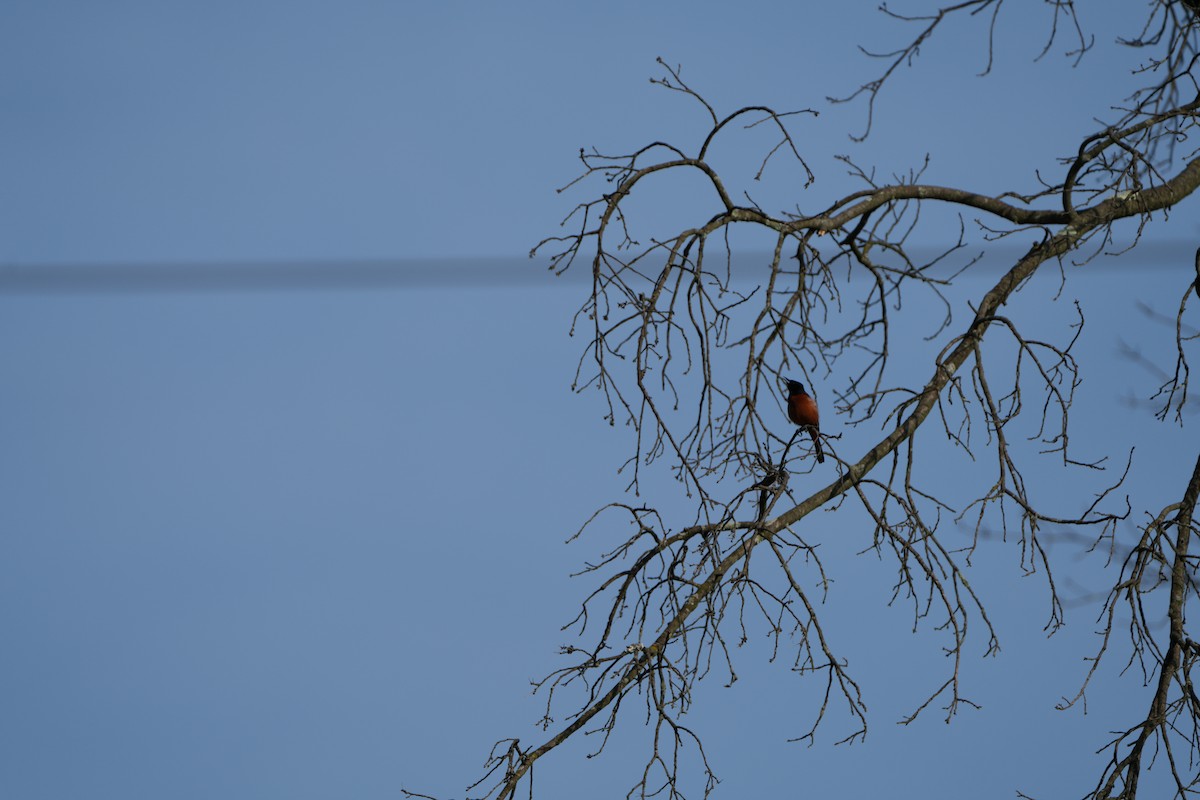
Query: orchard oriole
[{"x": 802, "y": 410}]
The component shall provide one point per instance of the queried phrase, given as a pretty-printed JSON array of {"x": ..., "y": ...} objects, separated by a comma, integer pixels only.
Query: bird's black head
[{"x": 795, "y": 387}]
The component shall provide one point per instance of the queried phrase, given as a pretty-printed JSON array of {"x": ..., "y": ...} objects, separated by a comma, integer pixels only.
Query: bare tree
[{"x": 693, "y": 362}]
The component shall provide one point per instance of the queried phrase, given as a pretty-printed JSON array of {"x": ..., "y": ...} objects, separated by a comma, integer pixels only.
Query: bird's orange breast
[{"x": 802, "y": 410}]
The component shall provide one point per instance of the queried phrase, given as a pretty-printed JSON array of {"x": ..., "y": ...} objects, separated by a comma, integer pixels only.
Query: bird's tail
[{"x": 816, "y": 437}]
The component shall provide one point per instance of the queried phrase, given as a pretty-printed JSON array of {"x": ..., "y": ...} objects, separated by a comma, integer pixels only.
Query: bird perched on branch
[{"x": 802, "y": 410}]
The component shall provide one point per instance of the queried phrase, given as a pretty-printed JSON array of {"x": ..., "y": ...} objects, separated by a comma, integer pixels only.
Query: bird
[
  {"x": 1197, "y": 283},
  {"x": 802, "y": 410}
]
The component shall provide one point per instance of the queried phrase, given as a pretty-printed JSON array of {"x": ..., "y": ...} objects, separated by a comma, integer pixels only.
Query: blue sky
[{"x": 287, "y": 541}]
